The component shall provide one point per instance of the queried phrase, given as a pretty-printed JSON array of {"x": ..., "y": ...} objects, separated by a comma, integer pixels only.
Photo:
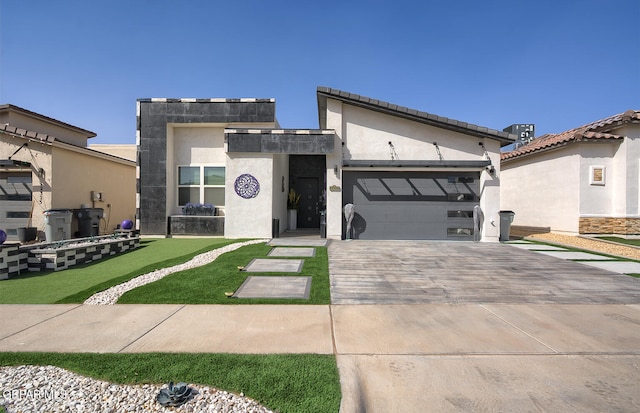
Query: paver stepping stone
[
  {"x": 274, "y": 265},
  {"x": 274, "y": 287},
  {"x": 576, "y": 255},
  {"x": 298, "y": 242},
  {"x": 292, "y": 252},
  {"x": 537, "y": 247},
  {"x": 621, "y": 267}
]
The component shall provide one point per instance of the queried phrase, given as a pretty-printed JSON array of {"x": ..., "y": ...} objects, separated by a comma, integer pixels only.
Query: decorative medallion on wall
[{"x": 247, "y": 186}]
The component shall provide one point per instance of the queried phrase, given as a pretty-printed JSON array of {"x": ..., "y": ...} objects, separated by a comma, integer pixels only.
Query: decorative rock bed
[{"x": 61, "y": 255}]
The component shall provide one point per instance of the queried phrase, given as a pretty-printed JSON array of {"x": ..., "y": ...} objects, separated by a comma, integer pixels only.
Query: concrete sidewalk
[
  {"x": 392, "y": 358},
  {"x": 523, "y": 332}
]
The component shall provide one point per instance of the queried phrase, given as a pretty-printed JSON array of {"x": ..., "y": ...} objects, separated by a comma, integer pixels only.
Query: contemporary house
[
  {"x": 45, "y": 165},
  {"x": 581, "y": 181},
  {"x": 225, "y": 167}
]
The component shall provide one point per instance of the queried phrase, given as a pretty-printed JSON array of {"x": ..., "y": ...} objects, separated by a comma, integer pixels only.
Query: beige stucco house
[
  {"x": 409, "y": 174},
  {"x": 45, "y": 165},
  {"x": 581, "y": 181}
]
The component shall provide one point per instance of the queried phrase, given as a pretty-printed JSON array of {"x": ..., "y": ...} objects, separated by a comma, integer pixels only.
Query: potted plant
[{"x": 293, "y": 202}]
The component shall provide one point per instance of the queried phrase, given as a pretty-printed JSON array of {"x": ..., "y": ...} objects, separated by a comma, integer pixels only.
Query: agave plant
[{"x": 175, "y": 395}]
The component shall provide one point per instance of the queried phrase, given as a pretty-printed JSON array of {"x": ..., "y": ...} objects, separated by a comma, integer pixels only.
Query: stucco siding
[
  {"x": 370, "y": 135},
  {"x": 598, "y": 199},
  {"x": 280, "y": 183},
  {"x": 334, "y": 176},
  {"x": 75, "y": 175},
  {"x": 543, "y": 190},
  {"x": 249, "y": 217},
  {"x": 367, "y": 135}
]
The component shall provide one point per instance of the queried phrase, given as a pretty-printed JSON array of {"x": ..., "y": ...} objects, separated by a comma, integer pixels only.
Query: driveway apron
[{"x": 467, "y": 327}]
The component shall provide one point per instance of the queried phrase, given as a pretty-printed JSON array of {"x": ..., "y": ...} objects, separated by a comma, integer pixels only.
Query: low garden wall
[{"x": 56, "y": 256}]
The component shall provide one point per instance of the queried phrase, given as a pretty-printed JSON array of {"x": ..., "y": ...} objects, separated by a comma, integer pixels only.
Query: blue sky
[{"x": 558, "y": 64}]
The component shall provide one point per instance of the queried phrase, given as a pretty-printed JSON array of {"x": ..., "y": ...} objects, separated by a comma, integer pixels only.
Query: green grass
[
  {"x": 295, "y": 383},
  {"x": 76, "y": 284},
  {"x": 634, "y": 242},
  {"x": 207, "y": 284}
]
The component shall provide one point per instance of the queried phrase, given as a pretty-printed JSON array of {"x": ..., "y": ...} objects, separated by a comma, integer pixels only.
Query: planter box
[{"x": 15, "y": 259}]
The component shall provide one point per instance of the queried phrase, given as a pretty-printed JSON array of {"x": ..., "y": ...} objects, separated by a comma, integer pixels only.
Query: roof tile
[{"x": 594, "y": 130}]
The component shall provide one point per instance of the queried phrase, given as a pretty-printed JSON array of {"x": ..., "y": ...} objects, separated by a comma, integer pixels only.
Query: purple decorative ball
[
  {"x": 3, "y": 237},
  {"x": 126, "y": 224}
]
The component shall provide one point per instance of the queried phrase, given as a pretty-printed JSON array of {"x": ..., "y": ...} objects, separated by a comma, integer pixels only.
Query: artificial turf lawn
[
  {"x": 76, "y": 284},
  {"x": 207, "y": 284},
  {"x": 293, "y": 383},
  {"x": 634, "y": 242}
]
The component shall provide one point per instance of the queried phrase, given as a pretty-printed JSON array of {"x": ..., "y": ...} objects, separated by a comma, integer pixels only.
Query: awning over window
[{"x": 13, "y": 164}]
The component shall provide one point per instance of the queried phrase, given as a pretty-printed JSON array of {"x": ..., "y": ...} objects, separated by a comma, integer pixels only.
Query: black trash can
[
  {"x": 323, "y": 224},
  {"x": 275, "y": 228},
  {"x": 88, "y": 221},
  {"x": 506, "y": 218}
]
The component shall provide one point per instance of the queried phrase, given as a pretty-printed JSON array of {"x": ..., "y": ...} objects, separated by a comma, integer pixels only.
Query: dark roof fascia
[
  {"x": 358, "y": 163},
  {"x": 14, "y": 108},
  {"x": 504, "y": 138}
]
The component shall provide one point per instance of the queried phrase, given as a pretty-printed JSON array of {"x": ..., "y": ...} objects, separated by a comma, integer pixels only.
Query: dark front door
[{"x": 309, "y": 208}]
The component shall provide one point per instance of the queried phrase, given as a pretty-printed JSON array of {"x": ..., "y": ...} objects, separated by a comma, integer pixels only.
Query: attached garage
[{"x": 412, "y": 204}]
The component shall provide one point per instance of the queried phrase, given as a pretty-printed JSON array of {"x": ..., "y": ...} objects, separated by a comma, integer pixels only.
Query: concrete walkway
[{"x": 572, "y": 348}]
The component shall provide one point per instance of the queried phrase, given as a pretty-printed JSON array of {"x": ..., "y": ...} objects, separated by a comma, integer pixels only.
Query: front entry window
[{"x": 201, "y": 185}]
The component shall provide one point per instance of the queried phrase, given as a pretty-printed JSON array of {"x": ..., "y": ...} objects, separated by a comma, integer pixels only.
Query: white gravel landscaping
[
  {"x": 110, "y": 296},
  {"x": 52, "y": 389}
]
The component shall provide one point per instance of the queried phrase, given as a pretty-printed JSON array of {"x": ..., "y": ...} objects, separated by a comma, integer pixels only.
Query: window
[
  {"x": 596, "y": 175},
  {"x": 15, "y": 186},
  {"x": 17, "y": 214},
  {"x": 201, "y": 185}
]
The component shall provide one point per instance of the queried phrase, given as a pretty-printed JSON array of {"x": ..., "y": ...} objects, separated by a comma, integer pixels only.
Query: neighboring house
[
  {"x": 582, "y": 181},
  {"x": 45, "y": 164},
  {"x": 410, "y": 174}
]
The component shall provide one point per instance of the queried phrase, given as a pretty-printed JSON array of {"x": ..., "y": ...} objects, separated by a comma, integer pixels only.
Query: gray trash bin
[
  {"x": 57, "y": 224},
  {"x": 506, "y": 218}
]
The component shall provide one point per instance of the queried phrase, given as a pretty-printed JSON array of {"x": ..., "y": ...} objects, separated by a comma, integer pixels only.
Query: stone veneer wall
[
  {"x": 15, "y": 259},
  {"x": 608, "y": 225},
  {"x": 196, "y": 225},
  {"x": 153, "y": 115}
]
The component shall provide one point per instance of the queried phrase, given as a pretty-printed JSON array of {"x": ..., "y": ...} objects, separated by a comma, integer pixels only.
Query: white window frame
[{"x": 598, "y": 178}]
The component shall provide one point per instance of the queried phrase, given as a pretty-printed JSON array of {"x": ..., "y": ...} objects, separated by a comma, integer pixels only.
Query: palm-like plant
[{"x": 293, "y": 200}]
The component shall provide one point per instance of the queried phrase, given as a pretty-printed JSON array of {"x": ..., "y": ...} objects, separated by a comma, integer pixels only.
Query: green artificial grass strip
[
  {"x": 208, "y": 284},
  {"x": 76, "y": 284},
  {"x": 295, "y": 383},
  {"x": 634, "y": 242}
]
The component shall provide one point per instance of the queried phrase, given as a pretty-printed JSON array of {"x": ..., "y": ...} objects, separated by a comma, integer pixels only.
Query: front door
[{"x": 309, "y": 208}]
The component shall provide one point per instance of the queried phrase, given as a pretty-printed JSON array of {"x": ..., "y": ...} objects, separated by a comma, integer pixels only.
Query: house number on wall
[{"x": 247, "y": 186}]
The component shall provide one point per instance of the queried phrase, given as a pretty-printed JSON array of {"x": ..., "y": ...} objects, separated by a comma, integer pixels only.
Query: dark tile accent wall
[
  {"x": 311, "y": 143},
  {"x": 152, "y": 150},
  {"x": 197, "y": 225}
]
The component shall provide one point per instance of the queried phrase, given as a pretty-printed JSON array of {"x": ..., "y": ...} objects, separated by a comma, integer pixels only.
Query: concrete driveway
[
  {"x": 464, "y": 327},
  {"x": 415, "y": 327}
]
